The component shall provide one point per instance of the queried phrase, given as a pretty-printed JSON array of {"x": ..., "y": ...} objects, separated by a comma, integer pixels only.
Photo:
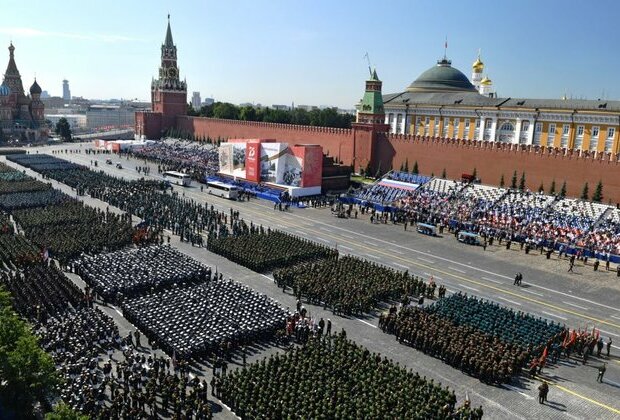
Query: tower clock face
[{"x": 172, "y": 72}]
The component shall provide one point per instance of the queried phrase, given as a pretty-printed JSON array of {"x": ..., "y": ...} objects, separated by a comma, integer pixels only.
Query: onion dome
[
  {"x": 478, "y": 65},
  {"x": 35, "y": 89},
  {"x": 4, "y": 90},
  {"x": 486, "y": 82}
]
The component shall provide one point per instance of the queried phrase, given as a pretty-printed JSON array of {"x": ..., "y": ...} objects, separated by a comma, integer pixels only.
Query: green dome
[{"x": 442, "y": 78}]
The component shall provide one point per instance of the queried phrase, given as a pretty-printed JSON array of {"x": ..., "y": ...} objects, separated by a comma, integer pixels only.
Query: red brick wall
[{"x": 358, "y": 146}]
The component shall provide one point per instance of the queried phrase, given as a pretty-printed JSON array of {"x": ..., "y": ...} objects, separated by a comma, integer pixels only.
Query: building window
[
  {"x": 487, "y": 123},
  {"x": 525, "y": 125},
  {"x": 552, "y": 130},
  {"x": 594, "y": 139},
  {"x": 610, "y": 139},
  {"x": 399, "y": 121},
  {"x": 477, "y": 123},
  {"x": 467, "y": 123},
  {"x": 611, "y": 132},
  {"x": 427, "y": 120},
  {"x": 595, "y": 131},
  {"x": 565, "y": 129},
  {"x": 390, "y": 119},
  {"x": 580, "y": 131},
  {"x": 507, "y": 126},
  {"x": 538, "y": 127}
]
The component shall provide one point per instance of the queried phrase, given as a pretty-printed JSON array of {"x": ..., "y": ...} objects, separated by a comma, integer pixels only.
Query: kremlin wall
[{"x": 498, "y": 149}]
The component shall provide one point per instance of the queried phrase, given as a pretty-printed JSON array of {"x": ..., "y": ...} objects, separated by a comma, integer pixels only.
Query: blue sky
[{"x": 311, "y": 52}]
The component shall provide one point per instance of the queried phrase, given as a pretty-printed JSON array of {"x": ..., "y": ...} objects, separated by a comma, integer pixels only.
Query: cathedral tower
[{"x": 476, "y": 75}]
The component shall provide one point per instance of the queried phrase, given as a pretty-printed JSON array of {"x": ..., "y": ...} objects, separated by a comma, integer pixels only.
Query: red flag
[{"x": 543, "y": 358}]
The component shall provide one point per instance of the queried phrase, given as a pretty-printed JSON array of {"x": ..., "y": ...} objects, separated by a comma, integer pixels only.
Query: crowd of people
[
  {"x": 17, "y": 250},
  {"x": 481, "y": 338},
  {"x": 332, "y": 377},
  {"x": 194, "y": 321},
  {"x": 133, "y": 272},
  {"x": 534, "y": 218},
  {"x": 264, "y": 250},
  {"x": 198, "y": 160},
  {"x": 350, "y": 285}
]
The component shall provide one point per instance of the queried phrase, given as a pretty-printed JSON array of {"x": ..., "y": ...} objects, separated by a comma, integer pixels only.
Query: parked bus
[
  {"x": 178, "y": 178},
  {"x": 223, "y": 190}
]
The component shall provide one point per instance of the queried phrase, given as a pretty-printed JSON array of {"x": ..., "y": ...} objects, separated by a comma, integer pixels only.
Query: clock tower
[{"x": 168, "y": 92}]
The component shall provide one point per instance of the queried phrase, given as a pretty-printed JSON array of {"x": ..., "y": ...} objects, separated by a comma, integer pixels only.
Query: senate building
[{"x": 443, "y": 102}]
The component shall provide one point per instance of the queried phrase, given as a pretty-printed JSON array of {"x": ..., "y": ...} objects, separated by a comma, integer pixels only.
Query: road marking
[
  {"x": 401, "y": 265},
  {"x": 611, "y": 382},
  {"x": 118, "y": 312},
  {"x": 325, "y": 229},
  {"x": 367, "y": 323},
  {"x": 324, "y": 240},
  {"x": 609, "y": 333},
  {"x": 533, "y": 293},
  {"x": 576, "y": 306},
  {"x": 458, "y": 270},
  {"x": 614, "y": 316},
  {"x": 426, "y": 260},
  {"x": 394, "y": 250},
  {"x": 514, "y": 388},
  {"x": 494, "y": 281},
  {"x": 372, "y": 256},
  {"x": 468, "y": 287},
  {"x": 508, "y": 300},
  {"x": 554, "y": 315},
  {"x": 345, "y": 247},
  {"x": 583, "y": 397},
  {"x": 347, "y": 236}
]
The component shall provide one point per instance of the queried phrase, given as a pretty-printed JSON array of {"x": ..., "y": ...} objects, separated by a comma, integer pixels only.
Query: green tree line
[{"x": 327, "y": 117}]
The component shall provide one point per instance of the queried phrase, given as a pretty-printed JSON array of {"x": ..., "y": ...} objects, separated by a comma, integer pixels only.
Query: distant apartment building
[
  {"x": 196, "y": 102},
  {"x": 110, "y": 116},
  {"x": 208, "y": 102},
  {"x": 66, "y": 92},
  {"x": 77, "y": 122}
]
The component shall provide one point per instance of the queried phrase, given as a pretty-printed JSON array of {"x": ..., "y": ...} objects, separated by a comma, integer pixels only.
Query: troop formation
[{"x": 331, "y": 377}]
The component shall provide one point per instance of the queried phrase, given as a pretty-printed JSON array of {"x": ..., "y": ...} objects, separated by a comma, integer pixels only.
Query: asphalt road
[{"x": 585, "y": 299}]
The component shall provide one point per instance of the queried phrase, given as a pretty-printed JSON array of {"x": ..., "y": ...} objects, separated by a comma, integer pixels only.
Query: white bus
[
  {"x": 223, "y": 190},
  {"x": 178, "y": 178}
]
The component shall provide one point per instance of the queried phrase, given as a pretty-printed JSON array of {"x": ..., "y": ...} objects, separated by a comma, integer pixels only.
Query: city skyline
[{"x": 314, "y": 54}]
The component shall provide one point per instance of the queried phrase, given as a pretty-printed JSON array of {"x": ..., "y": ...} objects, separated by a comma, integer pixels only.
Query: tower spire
[{"x": 168, "y": 42}]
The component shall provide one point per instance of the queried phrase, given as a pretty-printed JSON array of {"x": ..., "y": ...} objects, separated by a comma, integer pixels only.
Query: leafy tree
[
  {"x": 63, "y": 129},
  {"x": 63, "y": 412},
  {"x": 225, "y": 110},
  {"x": 247, "y": 113},
  {"x": 552, "y": 188},
  {"x": 443, "y": 173},
  {"x": 563, "y": 190},
  {"x": 513, "y": 183},
  {"x": 191, "y": 111},
  {"x": 522, "y": 182},
  {"x": 585, "y": 191},
  {"x": 598, "y": 192},
  {"x": 501, "y": 181},
  {"x": 541, "y": 188},
  {"x": 415, "y": 169}
]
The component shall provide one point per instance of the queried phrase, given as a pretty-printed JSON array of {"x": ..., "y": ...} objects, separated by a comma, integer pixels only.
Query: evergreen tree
[
  {"x": 378, "y": 173},
  {"x": 552, "y": 188},
  {"x": 513, "y": 183},
  {"x": 474, "y": 173},
  {"x": 563, "y": 190},
  {"x": 522, "y": 182},
  {"x": 402, "y": 167},
  {"x": 541, "y": 189},
  {"x": 501, "y": 181},
  {"x": 598, "y": 192},
  {"x": 443, "y": 173},
  {"x": 406, "y": 168},
  {"x": 368, "y": 170},
  {"x": 585, "y": 192},
  {"x": 415, "y": 169}
]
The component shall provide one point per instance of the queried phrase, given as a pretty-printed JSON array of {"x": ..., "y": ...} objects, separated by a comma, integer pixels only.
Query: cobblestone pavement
[{"x": 583, "y": 299}]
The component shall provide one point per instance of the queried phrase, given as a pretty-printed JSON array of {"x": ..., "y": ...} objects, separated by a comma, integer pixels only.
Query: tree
[
  {"x": 474, "y": 173},
  {"x": 501, "y": 181},
  {"x": 563, "y": 190},
  {"x": 513, "y": 183},
  {"x": 402, "y": 167},
  {"x": 552, "y": 188},
  {"x": 541, "y": 189},
  {"x": 443, "y": 173},
  {"x": 522, "y": 182},
  {"x": 225, "y": 110},
  {"x": 406, "y": 168},
  {"x": 63, "y": 412},
  {"x": 368, "y": 170},
  {"x": 63, "y": 129},
  {"x": 598, "y": 192},
  {"x": 415, "y": 169},
  {"x": 378, "y": 173},
  {"x": 585, "y": 191}
]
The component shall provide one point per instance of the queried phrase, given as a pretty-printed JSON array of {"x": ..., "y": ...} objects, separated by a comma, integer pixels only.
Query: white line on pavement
[
  {"x": 367, "y": 323},
  {"x": 576, "y": 306},
  {"x": 514, "y": 388},
  {"x": 347, "y": 236},
  {"x": 394, "y": 250},
  {"x": 508, "y": 300},
  {"x": 554, "y": 315},
  {"x": 468, "y": 287},
  {"x": 494, "y": 281},
  {"x": 609, "y": 333},
  {"x": 426, "y": 260},
  {"x": 457, "y": 270},
  {"x": 617, "y": 317},
  {"x": 325, "y": 229},
  {"x": 611, "y": 382},
  {"x": 324, "y": 240},
  {"x": 345, "y": 247},
  {"x": 533, "y": 293},
  {"x": 401, "y": 265}
]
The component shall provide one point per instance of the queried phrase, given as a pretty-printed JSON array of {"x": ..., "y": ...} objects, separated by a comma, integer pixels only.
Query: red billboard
[
  {"x": 312, "y": 166},
  {"x": 252, "y": 162}
]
